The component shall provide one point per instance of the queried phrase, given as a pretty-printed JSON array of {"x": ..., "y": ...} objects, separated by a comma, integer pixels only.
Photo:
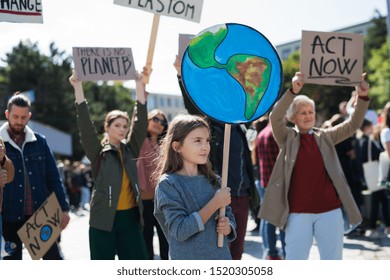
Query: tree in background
[
  {"x": 379, "y": 77},
  {"x": 376, "y": 36},
  {"x": 376, "y": 54}
]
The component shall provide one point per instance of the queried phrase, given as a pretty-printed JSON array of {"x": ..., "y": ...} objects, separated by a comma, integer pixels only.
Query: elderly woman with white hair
[{"x": 308, "y": 195}]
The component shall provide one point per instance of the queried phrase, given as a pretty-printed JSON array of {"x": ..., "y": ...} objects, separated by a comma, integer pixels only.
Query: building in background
[
  {"x": 59, "y": 142},
  {"x": 170, "y": 104},
  {"x": 284, "y": 50}
]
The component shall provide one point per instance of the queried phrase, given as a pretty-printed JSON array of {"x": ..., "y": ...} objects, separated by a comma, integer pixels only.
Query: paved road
[{"x": 75, "y": 244}]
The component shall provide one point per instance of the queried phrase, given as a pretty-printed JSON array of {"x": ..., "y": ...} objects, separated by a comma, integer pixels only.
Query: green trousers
[{"x": 125, "y": 239}]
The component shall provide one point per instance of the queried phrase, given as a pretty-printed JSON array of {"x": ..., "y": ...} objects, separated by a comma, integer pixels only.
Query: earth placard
[{"x": 232, "y": 73}]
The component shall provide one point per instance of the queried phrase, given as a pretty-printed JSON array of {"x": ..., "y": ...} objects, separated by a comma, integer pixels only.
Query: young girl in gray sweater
[{"x": 188, "y": 196}]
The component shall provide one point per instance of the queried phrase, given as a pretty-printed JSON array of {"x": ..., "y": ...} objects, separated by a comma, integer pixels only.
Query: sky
[{"x": 100, "y": 23}]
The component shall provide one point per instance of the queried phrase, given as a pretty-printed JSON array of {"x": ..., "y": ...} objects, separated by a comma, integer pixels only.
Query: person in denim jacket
[{"x": 36, "y": 175}]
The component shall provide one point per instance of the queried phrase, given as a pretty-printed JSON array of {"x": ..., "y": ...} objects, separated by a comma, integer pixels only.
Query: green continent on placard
[
  {"x": 253, "y": 74},
  {"x": 201, "y": 49}
]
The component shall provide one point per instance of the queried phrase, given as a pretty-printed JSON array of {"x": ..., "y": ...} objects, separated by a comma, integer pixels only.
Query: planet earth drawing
[
  {"x": 46, "y": 232},
  {"x": 232, "y": 73}
]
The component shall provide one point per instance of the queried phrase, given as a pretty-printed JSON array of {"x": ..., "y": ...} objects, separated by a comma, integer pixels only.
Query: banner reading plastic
[{"x": 185, "y": 9}]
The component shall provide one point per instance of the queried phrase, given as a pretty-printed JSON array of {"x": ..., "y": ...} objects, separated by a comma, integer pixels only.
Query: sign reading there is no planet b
[
  {"x": 332, "y": 58},
  {"x": 104, "y": 64}
]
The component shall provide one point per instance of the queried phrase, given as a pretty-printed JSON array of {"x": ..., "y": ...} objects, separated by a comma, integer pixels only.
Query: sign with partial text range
[
  {"x": 185, "y": 9},
  {"x": 22, "y": 11}
]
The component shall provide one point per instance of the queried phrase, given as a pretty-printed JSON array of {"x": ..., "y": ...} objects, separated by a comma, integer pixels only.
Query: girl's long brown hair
[{"x": 169, "y": 161}]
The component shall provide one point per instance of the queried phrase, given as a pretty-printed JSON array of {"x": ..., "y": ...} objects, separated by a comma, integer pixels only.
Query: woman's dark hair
[{"x": 151, "y": 115}]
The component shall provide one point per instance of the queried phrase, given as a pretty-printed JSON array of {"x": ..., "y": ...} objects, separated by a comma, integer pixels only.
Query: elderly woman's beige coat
[{"x": 274, "y": 207}]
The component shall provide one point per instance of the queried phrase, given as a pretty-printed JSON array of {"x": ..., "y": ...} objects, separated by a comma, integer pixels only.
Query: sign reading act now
[
  {"x": 332, "y": 58},
  {"x": 43, "y": 228}
]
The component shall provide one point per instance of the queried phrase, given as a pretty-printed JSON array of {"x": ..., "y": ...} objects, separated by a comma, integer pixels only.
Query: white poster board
[
  {"x": 184, "y": 40},
  {"x": 185, "y": 9},
  {"x": 103, "y": 64},
  {"x": 332, "y": 58},
  {"x": 21, "y": 11}
]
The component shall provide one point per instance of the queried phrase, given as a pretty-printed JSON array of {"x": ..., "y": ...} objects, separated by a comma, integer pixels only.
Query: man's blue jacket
[{"x": 36, "y": 161}]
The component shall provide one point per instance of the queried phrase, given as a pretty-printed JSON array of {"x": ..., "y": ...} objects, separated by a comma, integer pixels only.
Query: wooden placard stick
[
  {"x": 152, "y": 44},
  {"x": 225, "y": 165}
]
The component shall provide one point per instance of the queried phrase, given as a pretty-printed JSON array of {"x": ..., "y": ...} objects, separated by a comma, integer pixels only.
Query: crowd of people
[
  {"x": 146, "y": 174},
  {"x": 78, "y": 183}
]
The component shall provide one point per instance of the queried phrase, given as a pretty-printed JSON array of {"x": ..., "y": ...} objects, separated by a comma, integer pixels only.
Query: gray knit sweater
[{"x": 177, "y": 202}]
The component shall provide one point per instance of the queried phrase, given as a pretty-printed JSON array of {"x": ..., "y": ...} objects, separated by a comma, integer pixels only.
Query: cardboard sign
[
  {"x": 184, "y": 9},
  {"x": 184, "y": 39},
  {"x": 104, "y": 64},
  {"x": 43, "y": 228},
  {"x": 332, "y": 58},
  {"x": 21, "y": 11}
]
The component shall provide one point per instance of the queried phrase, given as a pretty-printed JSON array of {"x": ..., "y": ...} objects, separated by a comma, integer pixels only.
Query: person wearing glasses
[{"x": 157, "y": 128}]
